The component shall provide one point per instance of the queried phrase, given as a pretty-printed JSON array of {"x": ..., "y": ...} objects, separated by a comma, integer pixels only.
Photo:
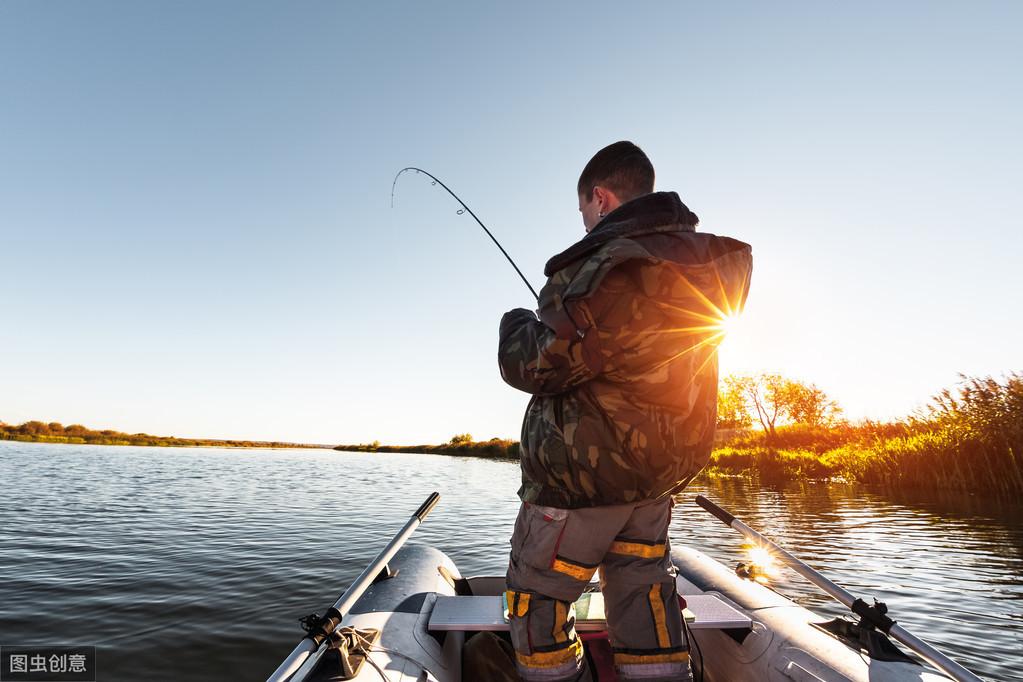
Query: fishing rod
[
  {"x": 873, "y": 616},
  {"x": 437, "y": 181}
]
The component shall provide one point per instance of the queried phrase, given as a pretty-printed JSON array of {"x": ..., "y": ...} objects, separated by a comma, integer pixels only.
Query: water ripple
[{"x": 196, "y": 563}]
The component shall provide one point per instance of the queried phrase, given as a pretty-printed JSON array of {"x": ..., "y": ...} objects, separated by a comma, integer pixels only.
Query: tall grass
[{"x": 968, "y": 438}]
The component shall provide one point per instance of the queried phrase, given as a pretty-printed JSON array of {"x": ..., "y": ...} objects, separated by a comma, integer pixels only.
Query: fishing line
[{"x": 436, "y": 181}]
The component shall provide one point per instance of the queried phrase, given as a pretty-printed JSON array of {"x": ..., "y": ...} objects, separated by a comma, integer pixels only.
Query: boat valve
[{"x": 747, "y": 570}]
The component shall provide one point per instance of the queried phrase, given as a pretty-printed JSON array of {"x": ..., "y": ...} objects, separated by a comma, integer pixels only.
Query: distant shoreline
[
  {"x": 76, "y": 434},
  {"x": 971, "y": 440},
  {"x": 898, "y": 455},
  {"x": 232, "y": 445},
  {"x": 495, "y": 448},
  {"x": 796, "y": 454}
]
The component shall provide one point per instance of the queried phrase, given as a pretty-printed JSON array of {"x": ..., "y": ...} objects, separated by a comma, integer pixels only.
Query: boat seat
[{"x": 472, "y": 614}]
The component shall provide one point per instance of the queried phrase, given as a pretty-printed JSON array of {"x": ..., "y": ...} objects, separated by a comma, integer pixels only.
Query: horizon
[
  {"x": 195, "y": 201},
  {"x": 840, "y": 419}
]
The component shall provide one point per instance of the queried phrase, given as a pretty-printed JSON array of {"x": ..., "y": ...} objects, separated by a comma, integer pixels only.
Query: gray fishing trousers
[{"x": 555, "y": 553}]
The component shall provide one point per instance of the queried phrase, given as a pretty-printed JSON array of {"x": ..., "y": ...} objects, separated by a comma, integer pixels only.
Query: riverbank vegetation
[
  {"x": 967, "y": 438},
  {"x": 461, "y": 444},
  {"x": 55, "y": 432},
  {"x": 776, "y": 429}
]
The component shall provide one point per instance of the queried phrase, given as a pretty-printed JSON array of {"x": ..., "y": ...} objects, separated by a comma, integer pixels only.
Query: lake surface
[{"x": 195, "y": 564}]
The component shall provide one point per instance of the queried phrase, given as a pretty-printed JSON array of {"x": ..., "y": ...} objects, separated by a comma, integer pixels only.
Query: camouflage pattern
[{"x": 622, "y": 362}]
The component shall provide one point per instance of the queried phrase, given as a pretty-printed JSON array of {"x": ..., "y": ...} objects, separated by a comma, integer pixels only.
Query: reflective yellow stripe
[
  {"x": 560, "y": 618},
  {"x": 518, "y": 603},
  {"x": 633, "y": 659},
  {"x": 637, "y": 549},
  {"x": 657, "y": 607},
  {"x": 578, "y": 572},
  {"x": 552, "y": 659}
]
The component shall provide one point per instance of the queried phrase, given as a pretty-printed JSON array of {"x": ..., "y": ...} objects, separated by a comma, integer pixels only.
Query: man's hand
[
  {"x": 534, "y": 359},
  {"x": 515, "y": 318}
]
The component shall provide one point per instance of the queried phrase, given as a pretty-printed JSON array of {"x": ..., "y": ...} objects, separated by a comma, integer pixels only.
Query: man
[{"x": 622, "y": 367}]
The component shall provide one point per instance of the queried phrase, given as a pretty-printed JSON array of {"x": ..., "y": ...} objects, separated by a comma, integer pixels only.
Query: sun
[
  {"x": 729, "y": 324},
  {"x": 735, "y": 343}
]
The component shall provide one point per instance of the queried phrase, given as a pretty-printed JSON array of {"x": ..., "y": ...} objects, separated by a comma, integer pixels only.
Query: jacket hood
[{"x": 648, "y": 214}]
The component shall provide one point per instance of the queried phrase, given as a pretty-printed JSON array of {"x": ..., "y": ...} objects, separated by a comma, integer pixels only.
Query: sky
[{"x": 197, "y": 236}]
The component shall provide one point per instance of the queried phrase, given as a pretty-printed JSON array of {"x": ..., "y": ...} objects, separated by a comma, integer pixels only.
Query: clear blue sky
[{"x": 197, "y": 240}]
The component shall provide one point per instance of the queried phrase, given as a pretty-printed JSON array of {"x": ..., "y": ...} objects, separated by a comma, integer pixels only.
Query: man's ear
[{"x": 606, "y": 199}]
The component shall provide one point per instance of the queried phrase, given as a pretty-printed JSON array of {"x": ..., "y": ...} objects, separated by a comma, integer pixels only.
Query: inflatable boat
[{"x": 409, "y": 616}]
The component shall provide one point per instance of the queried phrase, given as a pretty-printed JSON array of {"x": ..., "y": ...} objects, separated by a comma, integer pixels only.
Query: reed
[{"x": 968, "y": 438}]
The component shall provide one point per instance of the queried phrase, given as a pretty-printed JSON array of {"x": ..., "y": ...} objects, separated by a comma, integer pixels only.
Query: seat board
[{"x": 703, "y": 611}]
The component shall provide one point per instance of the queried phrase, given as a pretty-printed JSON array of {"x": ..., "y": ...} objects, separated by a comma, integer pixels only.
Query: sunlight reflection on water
[{"x": 196, "y": 563}]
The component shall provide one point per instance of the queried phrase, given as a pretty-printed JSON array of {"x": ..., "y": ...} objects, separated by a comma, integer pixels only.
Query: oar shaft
[
  {"x": 294, "y": 661},
  {"x": 796, "y": 564},
  {"x": 897, "y": 632},
  {"x": 307, "y": 646},
  {"x": 940, "y": 660},
  {"x": 786, "y": 557},
  {"x": 365, "y": 579}
]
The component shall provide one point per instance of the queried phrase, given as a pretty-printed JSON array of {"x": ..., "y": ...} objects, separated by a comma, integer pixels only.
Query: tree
[
  {"x": 811, "y": 406},
  {"x": 35, "y": 428},
  {"x": 769, "y": 394},
  {"x": 461, "y": 439},
  {"x": 772, "y": 399},
  {"x": 733, "y": 406},
  {"x": 764, "y": 396}
]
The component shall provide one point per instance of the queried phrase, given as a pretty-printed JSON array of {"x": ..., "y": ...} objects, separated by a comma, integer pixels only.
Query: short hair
[{"x": 621, "y": 167}]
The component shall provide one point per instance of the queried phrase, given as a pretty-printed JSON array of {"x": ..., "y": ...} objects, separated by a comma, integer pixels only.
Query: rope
[
  {"x": 368, "y": 647},
  {"x": 690, "y": 638}
]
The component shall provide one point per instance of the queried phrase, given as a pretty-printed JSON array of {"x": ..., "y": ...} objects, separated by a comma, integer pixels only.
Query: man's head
[{"x": 618, "y": 173}]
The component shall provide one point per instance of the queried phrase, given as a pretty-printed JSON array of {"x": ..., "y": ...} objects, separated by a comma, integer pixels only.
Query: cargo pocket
[{"x": 537, "y": 534}]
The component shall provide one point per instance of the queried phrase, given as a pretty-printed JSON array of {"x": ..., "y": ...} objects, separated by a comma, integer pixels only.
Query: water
[{"x": 195, "y": 564}]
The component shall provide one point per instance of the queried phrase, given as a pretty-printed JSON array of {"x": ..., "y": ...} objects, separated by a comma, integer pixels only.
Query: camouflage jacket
[{"x": 622, "y": 362}]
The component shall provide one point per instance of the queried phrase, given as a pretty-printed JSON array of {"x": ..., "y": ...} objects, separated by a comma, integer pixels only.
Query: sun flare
[
  {"x": 729, "y": 324},
  {"x": 734, "y": 349},
  {"x": 761, "y": 557},
  {"x": 762, "y": 564}
]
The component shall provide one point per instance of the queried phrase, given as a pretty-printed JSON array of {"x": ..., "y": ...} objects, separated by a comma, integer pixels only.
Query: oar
[
  {"x": 335, "y": 613},
  {"x": 870, "y": 614}
]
